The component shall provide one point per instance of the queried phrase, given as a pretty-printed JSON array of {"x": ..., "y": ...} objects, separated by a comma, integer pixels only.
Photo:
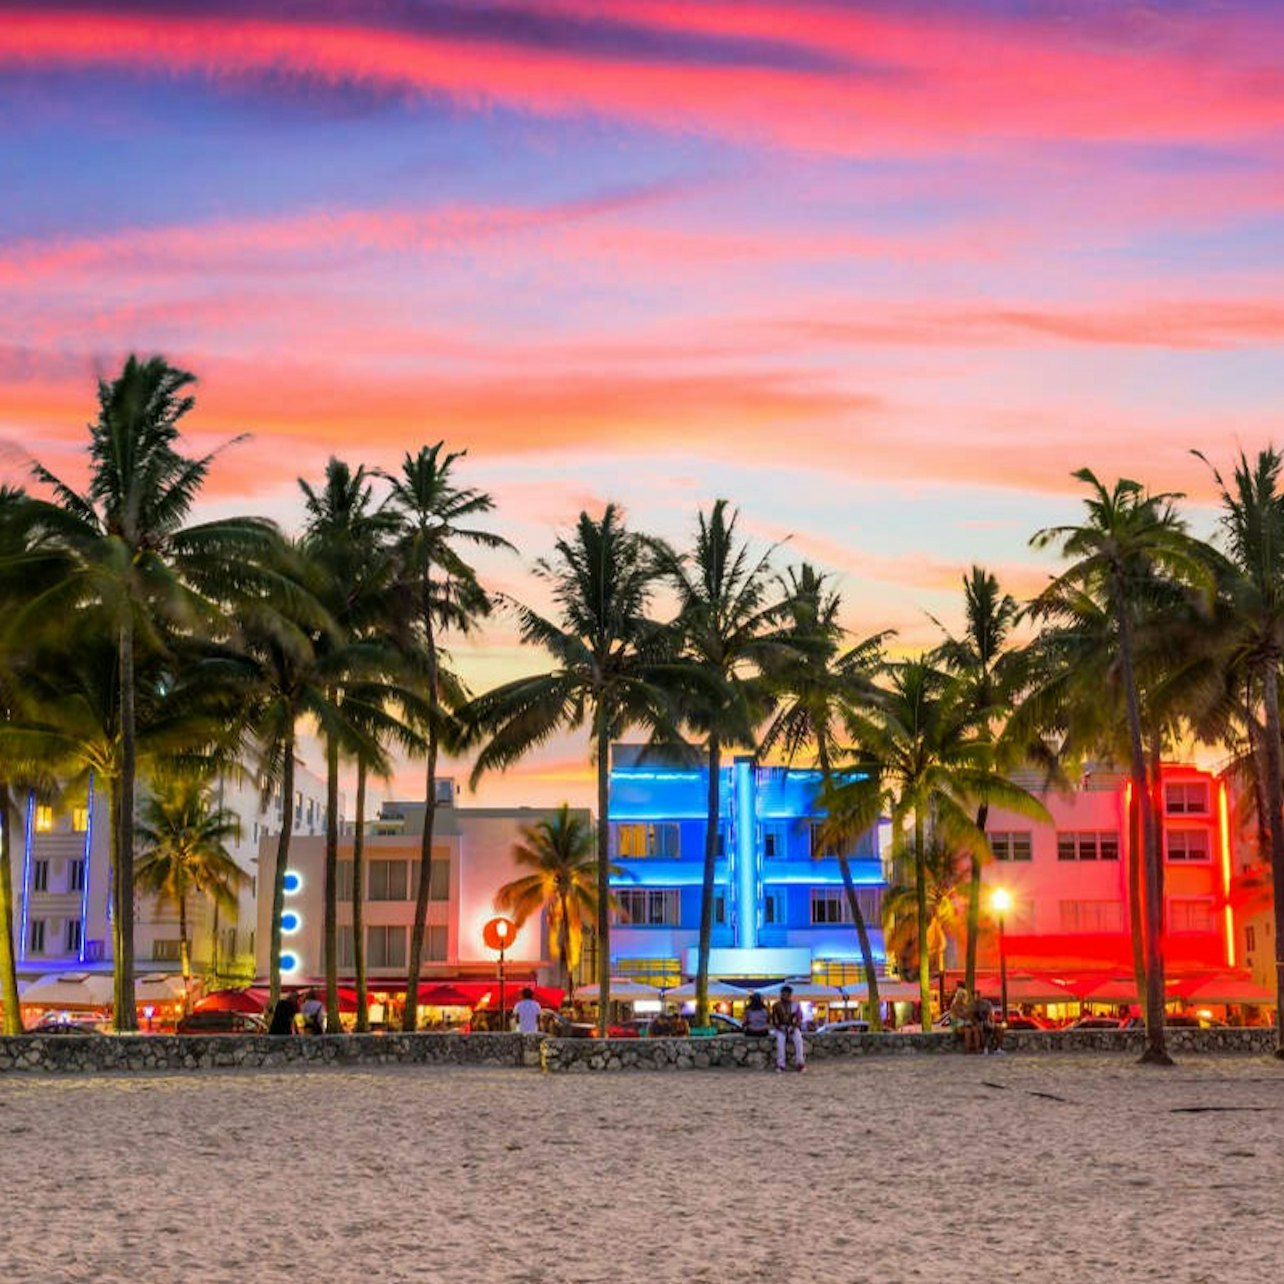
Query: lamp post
[
  {"x": 498, "y": 933},
  {"x": 1001, "y": 902}
]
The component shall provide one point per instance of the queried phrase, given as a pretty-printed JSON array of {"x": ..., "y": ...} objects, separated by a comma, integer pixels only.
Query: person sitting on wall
[
  {"x": 757, "y": 1020},
  {"x": 679, "y": 1028},
  {"x": 786, "y": 1024},
  {"x": 284, "y": 1015},
  {"x": 961, "y": 1018}
]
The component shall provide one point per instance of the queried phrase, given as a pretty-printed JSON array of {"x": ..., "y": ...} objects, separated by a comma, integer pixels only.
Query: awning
[
  {"x": 1228, "y": 987},
  {"x": 622, "y": 991},
  {"x": 69, "y": 990},
  {"x": 245, "y": 1000}
]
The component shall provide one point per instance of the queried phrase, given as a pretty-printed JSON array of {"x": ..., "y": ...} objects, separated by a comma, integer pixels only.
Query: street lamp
[
  {"x": 1000, "y": 903},
  {"x": 498, "y": 933}
]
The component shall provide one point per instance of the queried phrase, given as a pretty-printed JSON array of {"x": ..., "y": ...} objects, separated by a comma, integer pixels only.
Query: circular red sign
[{"x": 499, "y": 933}]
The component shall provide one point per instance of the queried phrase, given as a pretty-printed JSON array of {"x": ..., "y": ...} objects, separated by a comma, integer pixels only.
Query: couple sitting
[{"x": 784, "y": 1021}]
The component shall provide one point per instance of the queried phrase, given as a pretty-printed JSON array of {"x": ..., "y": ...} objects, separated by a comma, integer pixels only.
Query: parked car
[
  {"x": 843, "y": 1027},
  {"x": 72, "y": 1023},
  {"x": 562, "y": 1027},
  {"x": 221, "y": 1023},
  {"x": 725, "y": 1024},
  {"x": 1099, "y": 1023},
  {"x": 1023, "y": 1021}
]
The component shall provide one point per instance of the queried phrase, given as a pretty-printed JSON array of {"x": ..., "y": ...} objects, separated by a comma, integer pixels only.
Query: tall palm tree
[
  {"x": 138, "y": 567},
  {"x": 921, "y": 757},
  {"x": 980, "y": 659},
  {"x": 815, "y": 682},
  {"x": 611, "y": 664},
  {"x": 1252, "y": 528},
  {"x": 184, "y": 836},
  {"x": 435, "y": 517},
  {"x": 562, "y": 883},
  {"x": 1130, "y": 536},
  {"x": 944, "y": 871},
  {"x": 727, "y": 624}
]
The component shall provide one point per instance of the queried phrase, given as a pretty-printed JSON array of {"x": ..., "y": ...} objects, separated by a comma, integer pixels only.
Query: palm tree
[
  {"x": 1252, "y": 526},
  {"x": 815, "y": 682},
  {"x": 563, "y": 883},
  {"x": 922, "y": 758},
  {"x": 982, "y": 663},
  {"x": 1130, "y": 536},
  {"x": 727, "y": 625},
  {"x": 944, "y": 870},
  {"x": 434, "y": 521},
  {"x": 184, "y": 836},
  {"x": 611, "y": 664},
  {"x": 138, "y": 566}
]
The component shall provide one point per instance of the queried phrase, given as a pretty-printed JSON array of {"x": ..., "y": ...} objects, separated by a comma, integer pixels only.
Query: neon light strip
[
  {"x": 746, "y": 843},
  {"x": 1223, "y": 817},
  {"x": 26, "y": 872},
  {"x": 84, "y": 877}
]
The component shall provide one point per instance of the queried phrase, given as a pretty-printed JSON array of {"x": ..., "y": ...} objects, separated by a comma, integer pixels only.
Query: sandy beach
[{"x": 937, "y": 1168}]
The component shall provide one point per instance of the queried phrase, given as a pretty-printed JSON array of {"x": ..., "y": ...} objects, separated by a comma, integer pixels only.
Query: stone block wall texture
[{"x": 97, "y": 1054}]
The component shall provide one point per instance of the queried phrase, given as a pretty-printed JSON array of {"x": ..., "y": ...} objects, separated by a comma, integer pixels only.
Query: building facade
[
  {"x": 61, "y": 871},
  {"x": 472, "y": 860},
  {"x": 779, "y": 904}
]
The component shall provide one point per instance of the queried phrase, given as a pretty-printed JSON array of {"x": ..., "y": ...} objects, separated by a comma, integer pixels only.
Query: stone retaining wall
[
  {"x": 129, "y": 1053},
  {"x": 85, "y": 1054}
]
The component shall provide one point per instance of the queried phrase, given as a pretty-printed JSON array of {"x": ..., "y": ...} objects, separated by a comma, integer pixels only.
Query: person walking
[
  {"x": 527, "y": 1011},
  {"x": 786, "y": 1025}
]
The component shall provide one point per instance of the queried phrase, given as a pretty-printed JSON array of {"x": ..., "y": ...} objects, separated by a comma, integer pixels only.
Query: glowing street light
[
  {"x": 1000, "y": 903},
  {"x": 498, "y": 933}
]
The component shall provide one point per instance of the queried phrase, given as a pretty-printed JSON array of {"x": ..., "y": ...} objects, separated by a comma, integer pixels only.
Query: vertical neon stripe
[
  {"x": 746, "y": 851},
  {"x": 84, "y": 878},
  {"x": 26, "y": 873},
  {"x": 1223, "y": 818}
]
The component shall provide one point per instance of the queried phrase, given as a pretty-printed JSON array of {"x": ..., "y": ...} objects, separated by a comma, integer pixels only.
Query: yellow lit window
[
  {"x": 80, "y": 819},
  {"x": 44, "y": 819}
]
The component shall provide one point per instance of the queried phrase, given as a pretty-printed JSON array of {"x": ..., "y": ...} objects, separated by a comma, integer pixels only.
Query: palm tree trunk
[
  {"x": 1156, "y": 1052},
  {"x": 359, "y": 902},
  {"x": 1136, "y": 926},
  {"x": 184, "y": 953},
  {"x": 920, "y": 902},
  {"x": 278, "y": 874},
  {"x": 603, "y": 871},
  {"x": 974, "y": 908},
  {"x": 125, "y": 1015},
  {"x": 410, "y": 1014},
  {"x": 8, "y": 955},
  {"x": 564, "y": 938},
  {"x": 331, "y": 911},
  {"x": 706, "y": 887},
  {"x": 1275, "y": 807}
]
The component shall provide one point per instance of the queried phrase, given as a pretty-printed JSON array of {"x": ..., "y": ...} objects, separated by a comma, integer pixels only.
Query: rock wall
[{"x": 96, "y": 1054}]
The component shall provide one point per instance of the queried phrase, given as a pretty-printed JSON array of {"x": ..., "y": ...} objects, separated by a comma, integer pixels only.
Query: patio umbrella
[
  {"x": 1026, "y": 987},
  {"x": 890, "y": 990},
  {"x": 436, "y": 995},
  {"x": 717, "y": 990},
  {"x": 159, "y": 988},
  {"x": 243, "y": 1000},
  {"x": 69, "y": 990},
  {"x": 1226, "y": 987},
  {"x": 623, "y": 991},
  {"x": 805, "y": 988}
]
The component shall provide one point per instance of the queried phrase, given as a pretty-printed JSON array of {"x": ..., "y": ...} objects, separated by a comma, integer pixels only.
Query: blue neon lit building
[{"x": 779, "y": 906}]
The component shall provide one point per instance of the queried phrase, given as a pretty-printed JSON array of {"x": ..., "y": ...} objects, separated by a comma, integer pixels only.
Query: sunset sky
[{"x": 881, "y": 274}]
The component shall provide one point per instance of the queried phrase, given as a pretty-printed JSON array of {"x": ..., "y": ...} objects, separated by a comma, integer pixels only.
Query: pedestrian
[
  {"x": 527, "y": 1011},
  {"x": 982, "y": 1021},
  {"x": 283, "y": 1015},
  {"x": 757, "y": 1022},
  {"x": 313, "y": 1013},
  {"x": 786, "y": 1024}
]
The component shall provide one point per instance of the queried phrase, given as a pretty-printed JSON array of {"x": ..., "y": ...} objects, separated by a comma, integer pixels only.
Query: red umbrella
[
  {"x": 1227, "y": 987},
  {"x": 246, "y": 1000},
  {"x": 436, "y": 995}
]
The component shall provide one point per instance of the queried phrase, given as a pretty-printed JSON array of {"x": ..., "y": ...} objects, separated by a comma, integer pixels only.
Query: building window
[
  {"x": 830, "y": 905},
  {"x": 635, "y": 841},
  {"x": 1012, "y": 844},
  {"x": 1091, "y": 916},
  {"x": 72, "y": 933},
  {"x": 388, "y": 880},
  {"x": 1189, "y": 798},
  {"x": 435, "y": 943},
  {"x": 1190, "y": 916},
  {"x": 76, "y": 876},
  {"x": 773, "y": 908},
  {"x": 39, "y": 875},
  {"x": 775, "y": 844},
  {"x": 438, "y": 881},
  {"x": 44, "y": 819},
  {"x": 36, "y": 936},
  {"x": 343, "y": 882},
  {"x": 346, "y": 952},
  {"x": 169, "y": 949},
  {"x": 80, "y": 819},
  {"x": 659, "y": 972},
  {"x": 720, "y": 909},
  {"x": 821, "y": 849},
  {"x": 1250, "y": 939},
  {"x": 1088, "y": 844},
  {"x": 1187, "y": 844},
  {"x": 650, "y": 907},
  {"x": 385, "y": 946}
]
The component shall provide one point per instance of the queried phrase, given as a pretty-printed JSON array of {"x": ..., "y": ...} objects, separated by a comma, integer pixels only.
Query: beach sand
[{"x": 898, "y": 1169}]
